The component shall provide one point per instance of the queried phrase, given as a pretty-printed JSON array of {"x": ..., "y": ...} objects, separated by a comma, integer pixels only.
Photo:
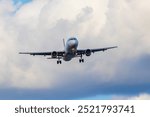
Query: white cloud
[
  {"x": 142, "y": 96},
  {"x": 33, "y": 27},
  {"x": 127, "y": 23}
]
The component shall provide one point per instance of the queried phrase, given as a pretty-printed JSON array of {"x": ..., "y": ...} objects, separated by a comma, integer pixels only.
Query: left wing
[{"x": 88, "y": 51}]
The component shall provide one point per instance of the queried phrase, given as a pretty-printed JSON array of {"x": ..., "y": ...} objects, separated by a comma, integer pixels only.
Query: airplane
[{"x": 70, "y": 51}]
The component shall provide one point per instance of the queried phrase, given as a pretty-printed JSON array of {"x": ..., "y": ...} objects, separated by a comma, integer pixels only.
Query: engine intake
[
  {"x": 54, "y": 54},
  {"x": 88, "y": 52}
]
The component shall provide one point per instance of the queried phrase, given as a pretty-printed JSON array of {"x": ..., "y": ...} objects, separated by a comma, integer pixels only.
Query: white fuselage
[{"x": 70, "y": 49}]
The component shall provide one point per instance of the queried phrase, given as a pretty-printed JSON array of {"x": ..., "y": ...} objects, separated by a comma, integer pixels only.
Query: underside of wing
[
  {"x": 88, "y": 52},
  {"x": 37, "y": 53},
  {"x": 102, "y": 49}
]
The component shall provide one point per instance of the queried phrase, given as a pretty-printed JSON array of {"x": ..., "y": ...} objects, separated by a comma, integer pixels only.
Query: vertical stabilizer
[{"x": 64, "y": 42}]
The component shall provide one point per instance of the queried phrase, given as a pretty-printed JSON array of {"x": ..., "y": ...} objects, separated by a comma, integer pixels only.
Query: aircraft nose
[{"x": 73, "y": 43}]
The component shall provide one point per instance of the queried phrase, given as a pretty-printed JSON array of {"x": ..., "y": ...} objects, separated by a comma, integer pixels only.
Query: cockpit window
[{"x": 72, "y": 39}]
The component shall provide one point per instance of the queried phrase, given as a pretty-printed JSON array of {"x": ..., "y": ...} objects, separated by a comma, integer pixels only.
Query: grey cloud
[
  {"x": 80, "y": 85},
  {"x": 85, "y": 14}
]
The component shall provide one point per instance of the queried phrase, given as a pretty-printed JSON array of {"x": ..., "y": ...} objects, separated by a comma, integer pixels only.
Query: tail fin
[{"x": 64, "y": 42}]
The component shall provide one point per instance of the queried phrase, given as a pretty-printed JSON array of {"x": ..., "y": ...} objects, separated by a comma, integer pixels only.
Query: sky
[
  {"x": 21, "y": 1},
  {"x": 40, "y": 25}
]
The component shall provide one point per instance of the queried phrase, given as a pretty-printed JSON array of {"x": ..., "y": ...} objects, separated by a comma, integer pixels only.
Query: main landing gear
[
  {"x": 81, "y": 60},
  {"x": 59, "y": 62}
]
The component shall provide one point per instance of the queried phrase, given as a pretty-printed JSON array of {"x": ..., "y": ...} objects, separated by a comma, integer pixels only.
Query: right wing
[
  {"x": 54, "y": 54},
  {"x": 37, "y": 53}
]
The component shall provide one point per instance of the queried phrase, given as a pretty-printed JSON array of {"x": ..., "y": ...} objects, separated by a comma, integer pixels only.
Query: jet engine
[
  {"x": 88, "y": 52},
  {"x": 54, "y": 54}
]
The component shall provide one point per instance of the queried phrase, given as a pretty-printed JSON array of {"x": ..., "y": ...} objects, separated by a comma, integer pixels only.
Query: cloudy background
[{"x": 40, "y": 25}]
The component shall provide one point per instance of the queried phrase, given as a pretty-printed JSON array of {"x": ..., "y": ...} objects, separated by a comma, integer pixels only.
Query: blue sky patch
[{"x": 21, "y": 1}]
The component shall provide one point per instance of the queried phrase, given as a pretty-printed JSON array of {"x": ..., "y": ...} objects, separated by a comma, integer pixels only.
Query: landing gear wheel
[
  {"x": 59, "y": 62},
  {"x": 81, "y": 60}
]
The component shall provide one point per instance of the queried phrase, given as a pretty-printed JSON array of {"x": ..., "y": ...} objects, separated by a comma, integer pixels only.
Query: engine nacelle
[
  {"x": 54, "y": 54},
  {"x": 88, "y": 52}
]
